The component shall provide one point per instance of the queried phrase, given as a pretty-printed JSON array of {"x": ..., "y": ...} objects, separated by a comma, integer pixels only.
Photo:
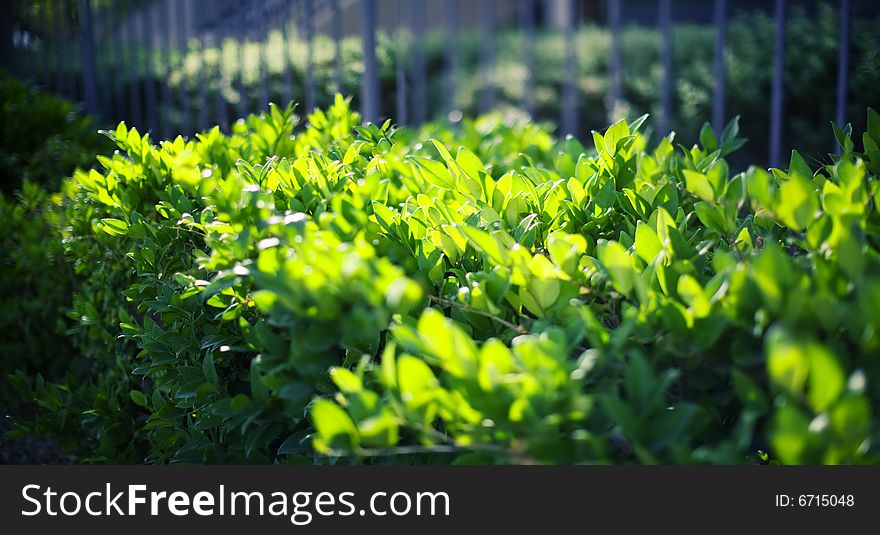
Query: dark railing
[{"x": 109, "y": 43}]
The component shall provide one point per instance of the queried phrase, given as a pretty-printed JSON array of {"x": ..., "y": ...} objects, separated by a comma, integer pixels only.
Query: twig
[{"x": 445, "y": 302}]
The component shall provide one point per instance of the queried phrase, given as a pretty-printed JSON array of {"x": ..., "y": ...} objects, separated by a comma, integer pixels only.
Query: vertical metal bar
[
  {"x": 487, "y": 62},
  {"x": 776, "y": 102},
  {"x": 527, "y": 21},
  {"x": 101, "y": 29},
  {"x": 719, "y": 97},
  {"x": 202, "y": 113},
  {"x": 842, "y": 65},
  {"x": 87, "y": 49},
  {"x": 287, "y": 94},
  {"x": 310, "y": 53},
  {"x": 13, "y": 20},
  {"x": 56, "y": 15},
  {"x": 419, "y": 75},
  {"x": 615, "y": 92},
  {"x": 150, "y": 76},
  {"x": 120, "y": 80},
  {"x": 337, "y": 42},
  {"x": 164, "y": 68},
  {"x": 134, "y": 87},
  {"x": 258, "y": 32},
  {"x": 183, "y": 48},
  {"x": 6, "y": 26},
  {"x": 220, "y": 102},
  {"x": 28, "y": 62},
  {"x": 370, "y": 84},
  {"x": 569, "y": 108},
  {"x": 451, "y": 55},
  {"x": 243, "y": 102},
  {"x": 8, "y": 35},
  {"x": 72, "y": 78},
  {"x": 42, "y": 51},
  {"x": 400, "y": 67},
  {"x": 665, "y": 20}
]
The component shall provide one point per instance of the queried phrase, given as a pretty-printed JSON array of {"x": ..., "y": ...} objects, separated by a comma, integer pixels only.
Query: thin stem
[{"x": 445, "y": 302}]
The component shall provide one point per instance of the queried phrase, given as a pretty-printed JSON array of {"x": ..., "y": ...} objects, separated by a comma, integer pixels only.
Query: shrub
[
  {"x": 42, "y": 138},
  {"x": 35, "y": 287},
  {"x": 357, "y": 293}
]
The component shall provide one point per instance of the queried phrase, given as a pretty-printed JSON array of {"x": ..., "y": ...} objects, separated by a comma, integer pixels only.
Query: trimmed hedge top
[{"x": 486, "y": 294}]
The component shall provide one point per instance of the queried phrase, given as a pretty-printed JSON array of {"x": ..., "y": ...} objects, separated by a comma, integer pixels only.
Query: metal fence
[{"x": 94, "y": 51}]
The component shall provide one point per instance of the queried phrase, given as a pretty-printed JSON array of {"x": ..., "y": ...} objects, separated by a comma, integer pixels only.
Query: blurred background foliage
[{"x": 215, "y": 83}]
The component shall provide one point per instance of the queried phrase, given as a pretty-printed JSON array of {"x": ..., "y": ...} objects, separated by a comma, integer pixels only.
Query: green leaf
[
  {"x": 874, "y": 125},
  {"x": 619, "y": 265},
  {"x": 483, "y": 242},
  {"x": 827, "y": 378},
  {"x": 380, "y": 430},
  {"x": 258, "y": 388},
  {"x": 435, "y": 173},
  {"x": 345, "y": 380},
  {"x": 789, "y": 434},
  {"x": 334, "y": 428},
  {"x": 798, "y": 202},
  {"x": 799, "y": 165},
  {"x": 469, "y": 162},
  {"x": 711, "y": 217},
  {"x": 707, "y": 138},
  {"x": 138, "y": 398},
  {"x": 699, "y": 185},
  {"x": 647, "y": 244},
  {"x": 614, "y": 135},
  {"x": 209, "y": 371},
  {"x": 114, "y": 227}
]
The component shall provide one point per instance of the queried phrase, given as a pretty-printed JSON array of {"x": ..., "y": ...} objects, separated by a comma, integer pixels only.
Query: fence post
[
  {"x": 842, "y": 65},
  {"x": 615, "y": 82},
  {"x": 287, "y": 94},
  {"x": 310, "y": 52},
  {"x": 258, "y": 31},
  {"x": 569, "y": 109},
  {"x": 400, "y": 62},
  {"x": 149, "y": 67},
  {"x": 6, "y": 49},
  {"x": 243, "y": 104},
  {"x": 776, "y": 103},
  {"x": 451, "y": 55},
  {"x": 665, "y": 16},
  {"x": 219, "y": 101},
  {"x": 57, "y": 51},
  {"x": 167, "y": 46},
  {"x": 337, "y": 41},
  {"x": 527, "y": 20},
  {"x": 118, "y": 78},
  {"x": 487, "y": 64},
  {"x": 43, "y": 22},
  {"x": 719, "y": 97},
  {"x": 420, "y": 76},
  {"x": 104, "y": 73},
  {"x": 90, "y": 77},
  {"x": 370, "y": 84},
  {"x": 184, "y": 90}
]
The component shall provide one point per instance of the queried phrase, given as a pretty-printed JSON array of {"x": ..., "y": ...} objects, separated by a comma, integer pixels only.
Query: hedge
[
  {"x": 336, "y": 293},
  {"x": 42, "y": 137}
]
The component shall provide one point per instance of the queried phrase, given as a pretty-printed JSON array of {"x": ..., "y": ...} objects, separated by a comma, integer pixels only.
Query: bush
[
  {"x": 35, "y": 287},
  {"x": 42, "y": 138},
  {"x": 366, "y": 294}
]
